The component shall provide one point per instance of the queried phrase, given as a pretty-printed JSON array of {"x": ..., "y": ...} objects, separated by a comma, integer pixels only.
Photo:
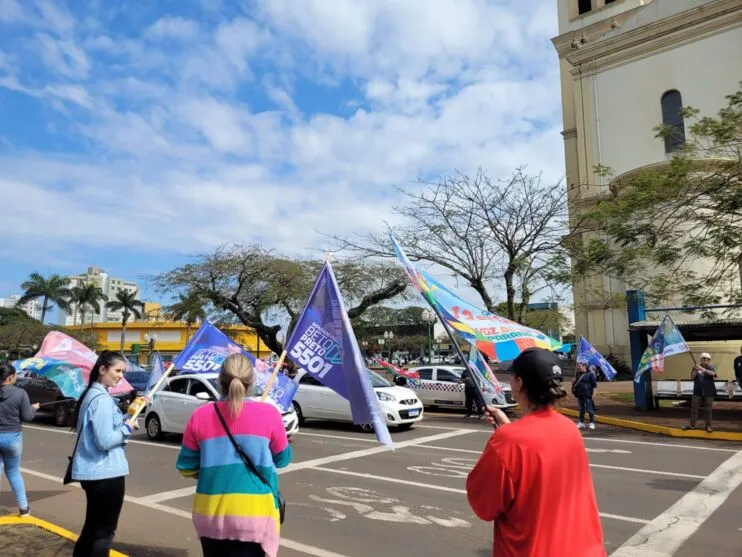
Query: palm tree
[
  {"x": 53, "y": 289},
  {"x": 87, "y": 295},
  {"x": 188, "y": 308},
  {"x": 127, "y": 301}
]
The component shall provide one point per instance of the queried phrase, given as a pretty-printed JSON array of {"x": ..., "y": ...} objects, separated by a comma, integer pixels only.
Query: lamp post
[
  {"x": 381, "y": 346},
  {"x": 428, "y": 316},
  {"x": 151, "y": 340},
  {"x": 389, "y": 335}
]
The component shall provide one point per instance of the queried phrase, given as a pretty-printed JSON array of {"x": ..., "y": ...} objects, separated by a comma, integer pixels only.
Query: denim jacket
[{"x": 103, "y": 435}]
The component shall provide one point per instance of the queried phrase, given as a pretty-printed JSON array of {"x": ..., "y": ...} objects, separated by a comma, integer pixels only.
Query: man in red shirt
[{"x": 533, "y": 478}]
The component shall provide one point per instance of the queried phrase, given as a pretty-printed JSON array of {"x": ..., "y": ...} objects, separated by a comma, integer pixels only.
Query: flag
[
  {"x": 667, "y": 341},
  {"x": 589, "y": 356},
  {"x": 158, "y": 370},
  {"x": 58, "y": 346},
  {"x": 68, "y": 377},
  {"x": 483, "y": 373},
  {"x": 412, "y": 377},
  {"x": 499, "y": 338},
  {"x": 324, "y": 344},
  {"x": 209, "y": 347}
]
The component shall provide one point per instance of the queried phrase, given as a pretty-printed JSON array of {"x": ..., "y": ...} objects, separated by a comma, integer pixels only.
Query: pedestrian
[
  {"x": 583, "y": 387},
  {"x": 472, "y": 395},
  {"x": 704, "y": 391},
  {"x": 233, "y": 448},
  {"x": 99, "y": 461},
  {"x": 738, "y": 369},
  {"x": 15, "y": 407},
  {"x": 533, "y": 478}
]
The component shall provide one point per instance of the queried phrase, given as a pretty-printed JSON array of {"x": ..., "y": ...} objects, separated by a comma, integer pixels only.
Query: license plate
[{"x": 413, "y": 413}]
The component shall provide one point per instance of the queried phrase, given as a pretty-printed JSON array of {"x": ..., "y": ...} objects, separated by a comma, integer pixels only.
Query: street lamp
[
  {"x": 428, "y": 317},
  {"x": 150, "y": 339},
  {"x": 388, "y": 335}
]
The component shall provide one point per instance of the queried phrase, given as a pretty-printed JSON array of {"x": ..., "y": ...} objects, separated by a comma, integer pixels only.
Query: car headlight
[{"x": 385, "y": 397}]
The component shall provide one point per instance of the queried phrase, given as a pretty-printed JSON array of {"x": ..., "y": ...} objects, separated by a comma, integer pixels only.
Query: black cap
[{"x": 536, "y": 362}]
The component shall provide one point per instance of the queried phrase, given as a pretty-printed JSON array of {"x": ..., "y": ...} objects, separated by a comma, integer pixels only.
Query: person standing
[
  {"x": 583, "y": 388},
  {"x": 738, "y": 369},
  {"x": 704, "y": 391},
  {"x": 472, "y": 395},
  {"x": 236, "y": 509},
  {"x": 533, "y": 478},
  {"x": 99, "y": 461},
  {"x": 15, "y": 407}
]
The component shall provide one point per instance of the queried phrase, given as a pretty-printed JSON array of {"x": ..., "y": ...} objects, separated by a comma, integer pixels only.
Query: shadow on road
[{"x": 135, "y": 550}]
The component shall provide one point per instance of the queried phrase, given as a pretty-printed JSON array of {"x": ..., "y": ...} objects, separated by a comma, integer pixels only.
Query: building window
[
  {"x": 672, "y": 119},
  {"x": 584, "y": 6}
]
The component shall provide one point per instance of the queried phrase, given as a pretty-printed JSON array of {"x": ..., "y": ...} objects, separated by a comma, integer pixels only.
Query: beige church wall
[{"x": 722, "y": 356}]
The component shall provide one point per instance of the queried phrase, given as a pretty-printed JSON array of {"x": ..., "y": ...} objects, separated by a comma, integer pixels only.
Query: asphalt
[{"x": 348, "y": 497}]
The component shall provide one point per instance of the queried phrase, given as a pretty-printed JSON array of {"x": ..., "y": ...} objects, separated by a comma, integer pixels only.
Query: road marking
[
  {"x": 289, "y": 544},
  {"x": 359, "y": 439},
  {"x": 664, "y": 535},
  {"x": 663, "y": 445},
  {"x": 623, "y": 518},
  {"x": 436, "y": 447},
  {"x": 643, "y": 471},
  {"x": 134, "y": 441},
  {"x": 168, "y": 495},
  {"x": 451, "y": 428}
]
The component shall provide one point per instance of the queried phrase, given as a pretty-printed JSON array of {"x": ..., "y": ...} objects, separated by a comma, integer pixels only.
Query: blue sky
[{"x": 135, "y": 134}]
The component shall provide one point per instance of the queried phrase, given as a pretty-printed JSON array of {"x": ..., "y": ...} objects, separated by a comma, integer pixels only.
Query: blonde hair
[{"x": 236, "y": 380}]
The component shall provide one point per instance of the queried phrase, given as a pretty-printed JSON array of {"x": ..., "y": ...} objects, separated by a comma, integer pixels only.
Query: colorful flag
[
  {"x": 667, "y": 341},
  {"x": 413, "y": 377},
  {"x": 589, "y": 356},
  {"x": 59, "y": 346},
  {"x": 499, "y": 338},
  {"x": 68, "y": 377},
  {"x": 209, "y": 347},
  {"x": 324, "y": 344},
  {"x": 483, "y": 373},
  {"x": 158, "y": 370}
]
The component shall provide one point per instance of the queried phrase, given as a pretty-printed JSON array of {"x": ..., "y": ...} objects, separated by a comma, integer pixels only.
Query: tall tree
[
  {"x": 259, "y": 288},
  {"x": 53, "y": 289},
  {"x": 188, "y": 308},
  {"x": 87, "y": 295},
  {"x": 482, "y": 230},
  {"x": 127, "y": 302},
  {"x": 675, "y": 229}
]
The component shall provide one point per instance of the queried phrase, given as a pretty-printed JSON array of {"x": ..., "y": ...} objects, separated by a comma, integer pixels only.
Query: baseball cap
[{"x": 537, "y": 362}]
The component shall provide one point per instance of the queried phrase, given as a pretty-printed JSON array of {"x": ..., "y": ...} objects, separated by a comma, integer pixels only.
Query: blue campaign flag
[
  {"x": 209, "y": 347},
  {"x": 324, "y": 344},
  {"x": 589, "y": 356},
  {"x": 158, "y": 370},
  {"x": 68, "y": 377}
]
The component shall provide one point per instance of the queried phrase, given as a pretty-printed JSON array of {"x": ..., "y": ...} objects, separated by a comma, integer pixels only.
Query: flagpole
[
  {"x": 269, "y": 384},
  {"x": 136, "y": 407}
]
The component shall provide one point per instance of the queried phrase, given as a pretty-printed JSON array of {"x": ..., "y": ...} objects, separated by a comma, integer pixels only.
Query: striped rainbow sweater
[{"x": 230, "y": 501}]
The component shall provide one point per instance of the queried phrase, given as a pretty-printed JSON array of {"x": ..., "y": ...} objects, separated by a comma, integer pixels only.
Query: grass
[{"x": 624, "y": 398}]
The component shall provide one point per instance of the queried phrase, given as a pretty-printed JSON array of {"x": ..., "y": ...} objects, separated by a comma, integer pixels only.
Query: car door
[
  {"x": 192, "y": 402},
  {"x": 450, "y": 389},
  {"x": 173, "y": 402},
  {"x": 311, "y": 396},
  {"x": 424, "y": 390}
]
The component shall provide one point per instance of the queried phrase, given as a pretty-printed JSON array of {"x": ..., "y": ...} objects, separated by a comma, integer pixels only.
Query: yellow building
[{"x": 168, "y": 338}]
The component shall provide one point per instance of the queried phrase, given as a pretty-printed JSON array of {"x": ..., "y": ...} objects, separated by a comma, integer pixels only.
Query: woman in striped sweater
[{"x": 235, "y": 513}]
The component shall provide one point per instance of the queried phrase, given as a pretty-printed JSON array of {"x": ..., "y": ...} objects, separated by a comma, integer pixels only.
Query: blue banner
[
  {"x": 68, "y": 377},
  {"x": 209, "y": 347},
  {"x": 158, "y": 370},
  {"x": 324, "y": 344},
  {"x": 589, "y": 356}
]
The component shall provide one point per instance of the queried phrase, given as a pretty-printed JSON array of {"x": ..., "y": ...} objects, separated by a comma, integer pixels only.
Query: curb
[
  {"x": 49, "y": 527},
  {"x": 660, "y": 429}
]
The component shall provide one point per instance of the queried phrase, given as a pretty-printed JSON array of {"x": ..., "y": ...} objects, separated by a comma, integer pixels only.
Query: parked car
[
  {"x": 313, "y": 401},
  {"x": 47, "y": 393},
  {"x": 139, "y": 380},
  {"x": 442, "y": 386},
  {"x": 178, "y": 399}
]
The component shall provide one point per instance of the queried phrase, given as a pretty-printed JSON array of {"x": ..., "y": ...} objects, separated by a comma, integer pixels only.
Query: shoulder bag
[
  {"x": 68, "y": 473},
  {"x": 249, "y": 464}
]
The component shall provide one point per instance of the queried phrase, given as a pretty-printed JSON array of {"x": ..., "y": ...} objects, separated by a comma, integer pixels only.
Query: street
[{"x": 349, "y": 497}]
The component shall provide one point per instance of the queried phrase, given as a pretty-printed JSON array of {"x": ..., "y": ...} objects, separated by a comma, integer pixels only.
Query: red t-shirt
[{"x": 534, "y": 481}]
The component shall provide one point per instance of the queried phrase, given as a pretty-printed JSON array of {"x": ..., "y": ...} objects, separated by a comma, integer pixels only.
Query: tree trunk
[
  {"x": 123, "y": 332},
  {"x": 82, "y": 316},
  {"x": 43, "y": 309},
  {"x": 478, "y": 285},
  {"x": 188, "y": 331},
  {"x": 510, "y": 290}
]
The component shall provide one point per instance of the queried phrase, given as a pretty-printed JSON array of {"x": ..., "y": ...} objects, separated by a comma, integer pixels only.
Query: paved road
[{"x": 348, "y": 497}]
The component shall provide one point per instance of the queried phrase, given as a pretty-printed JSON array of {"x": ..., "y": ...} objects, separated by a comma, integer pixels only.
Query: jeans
[
  {"x": 11, "y": 448},
  {"x": 230, "y": 548},
  {"x": 105, "y": 499},
  {"x": 586, "y": 404},
  {"x": 697, "y": 402}
]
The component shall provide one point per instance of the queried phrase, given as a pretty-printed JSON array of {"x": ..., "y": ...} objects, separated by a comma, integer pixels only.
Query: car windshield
[{"x": 377, "y": 380}]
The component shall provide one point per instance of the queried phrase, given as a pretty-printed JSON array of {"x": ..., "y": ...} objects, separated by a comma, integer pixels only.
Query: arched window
[{"x": 672, "y": 118}]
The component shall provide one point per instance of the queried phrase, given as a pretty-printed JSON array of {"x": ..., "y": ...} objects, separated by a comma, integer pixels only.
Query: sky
[{"x": 136, "y": 134}]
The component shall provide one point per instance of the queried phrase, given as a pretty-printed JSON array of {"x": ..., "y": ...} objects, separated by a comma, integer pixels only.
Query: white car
[
  {"x": 442, "y": 386},
  {"x": 313, "y": 401},
  {"x": 175, "y": 402}
]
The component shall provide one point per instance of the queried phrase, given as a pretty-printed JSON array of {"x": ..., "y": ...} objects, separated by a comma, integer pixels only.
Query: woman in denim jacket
[{"x": 99, "y": 462}]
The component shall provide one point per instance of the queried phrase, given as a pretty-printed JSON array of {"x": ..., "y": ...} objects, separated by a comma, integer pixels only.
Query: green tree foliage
[
  {"x": 53, "y": 289},
  {"x": 127, "y": 302}
]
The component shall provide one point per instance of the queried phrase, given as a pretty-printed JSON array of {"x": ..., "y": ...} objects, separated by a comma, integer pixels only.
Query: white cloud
[
  {"x": 56, "y": 17},
  {"x": 175, "y": 28},
  {"x": 10, "y": 10},
  {"x": 63, "y": 56},
  {"x": 72, "y": 93}
]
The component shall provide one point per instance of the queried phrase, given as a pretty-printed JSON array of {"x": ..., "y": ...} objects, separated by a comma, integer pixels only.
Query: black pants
[
  {"x": 230, "y": 548},
  {"x": 105, "y": 499},
  {"x": 473, "y": 396}
]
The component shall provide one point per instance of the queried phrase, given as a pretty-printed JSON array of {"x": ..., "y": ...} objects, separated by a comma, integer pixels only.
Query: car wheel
[
  {"x": 62, "y": 415},
  {"x": 299, "y": 415},
  {"x": 405, "y": 427},
  {"x": 154, "y": 427}
]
